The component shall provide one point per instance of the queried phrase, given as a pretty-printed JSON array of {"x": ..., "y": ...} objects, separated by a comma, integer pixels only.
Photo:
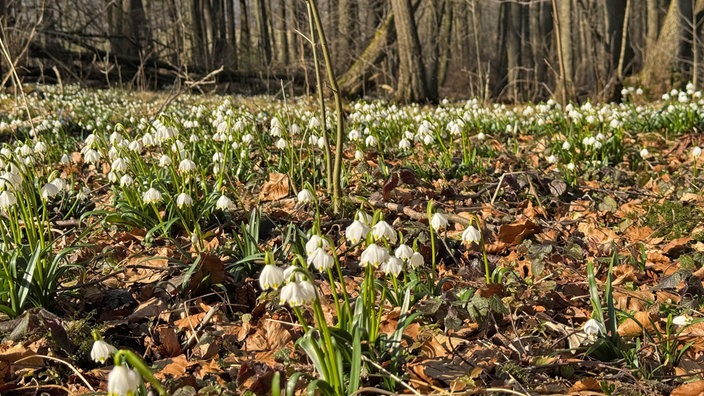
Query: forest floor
[{"x": 504, "y": 315}]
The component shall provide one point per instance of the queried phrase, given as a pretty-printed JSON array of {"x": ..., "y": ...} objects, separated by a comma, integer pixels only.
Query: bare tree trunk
[
  {"x": 539, "y": 27},
  {"x": 281, "y": 41},
  {"x": 263, "y": 41},
  {"x": 230, "y": 37},
  {"x": 653, "y": 25},
  {"x": 445, "y": 41},
  {"x": 411, "y": 86},
  {"x": 563, "y": 33},
  {"x": 664, "y": 63},
  {"x": 512, "y": 25},
  {"x": 199, "y": 56},
  {"x": 345, "y": 28},
  {"x": 245, "y": 35}
]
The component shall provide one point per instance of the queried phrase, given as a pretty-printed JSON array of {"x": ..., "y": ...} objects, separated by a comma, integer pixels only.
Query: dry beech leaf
[
  {"x": 690, "y": 389},
  {"x": 168, "y": 339},
  {"x": 586, "y": 384},
  {"x": 175, "y": 367},
  {"x": 634, "y": 327},
  {"x": 276, "y": 188}
]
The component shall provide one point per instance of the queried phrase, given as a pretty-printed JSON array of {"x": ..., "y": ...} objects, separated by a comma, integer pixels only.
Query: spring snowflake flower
[
  {"x": 416, "y": 260},
  {"x": 186, "y": 166},
  {"x": 404, "y": 252},
  {"x": 682, "y": 320},
  {"x": 593, "y": 328},
  {"x": 49, "y": 190},
  {"x": 65, "y": 159},
  {"x": 151, "y": 196},
  {"x": 438, "y": 221},
  {"x": 92, "y": 157},
  {"x": 126, "y": 181},
  {"x": 101, "y": 351},
  {"x": 481, "y": 136},
  {"x": 148, "y": 140},
  {"x": 370, "y": 141},
  {"x": 59, "y": 183},
  {"x": 119, "y": 165},
  {"x": 404, "y": 144},
  {"x": 224, "y": 203},
  {"x": 644, "y": 153},
  {"x": 566, "y": 145},
  {"x": 471, "y": 235},
  {"x": 305, "y": 196},
  {"x": 184, "y": 199},
  {"x": 373, "y": 255},
  {"x": 383, "y": 230},
  {"x": 271, "y": 277},
  {"x": 164, "y": 161},
  {"x": 696, "y": 152},
  {"x": 123, "y": 381},
  {"x": 281, "y": 144},
  {"x": 320, "y": 259},
  {"x": 7, "y": 200},
  {"x": 355, "y": 232},
  {"x": 392, "y": 266},
  {"x": 358, "y": 155},
  {"x": 297, "y": 293},
  {"x": 315, "y": 241}
]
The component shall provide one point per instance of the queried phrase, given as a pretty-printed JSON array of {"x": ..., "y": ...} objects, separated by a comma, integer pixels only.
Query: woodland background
[{"x": 409, "y": 50}]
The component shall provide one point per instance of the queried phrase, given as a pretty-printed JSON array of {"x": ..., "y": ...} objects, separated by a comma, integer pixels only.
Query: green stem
[{"x": 139, "y": 365}]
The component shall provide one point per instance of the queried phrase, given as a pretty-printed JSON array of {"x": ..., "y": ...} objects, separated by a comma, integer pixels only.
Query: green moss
[{"x": 672, "y": 219}]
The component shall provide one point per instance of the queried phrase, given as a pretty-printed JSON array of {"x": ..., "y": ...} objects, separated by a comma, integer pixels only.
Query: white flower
[
  {"x": 404, "y": 252},
  {"x": 382, "y": 230},
  {"x": 59, "y": 183},
  {"x": 281, "y": 144},
  {"x": 224, "y": 203},
  {"x": 373, "y": 255},
  {"x": 65, "y": 159},
  {"x": 164, "y": 160},
  {"x": 357, "y": 231},
  {"x": 364, "y": 217},
  {"x": 101, "y": 351},
  {"x": 471, "y": 234},
  {"x": 566, "y": 145},
  {"x": 416, "y": 260},
  {"x": 370, "y": 141},
  {"x": 644, "y": 153},
  {"x": 438, "y": 221},
  {"x": 358, "y": 155},
  {"x": 7, "y": 200},
  {"x": 184, "y": 199},
  {"x": 135, "y": 146},
  {"x": 119, "y": 165},
  {"x": 147, "y": 140},
  {"x": 271, "y": 277},
  {"x": 92, "y": 156},
  {"x": 593, "y": 328},
  {"x": 320, "y": 259},
  {"x": 481, "y": 136},
  {"x": 404, "y": 144},
  {"x": 39, "y": 147},
  {"x": 315, "y": 242},
  {"x": 151, "y": 196},
  {"x": 682, "y": 320},
  {"x": 696, "y": 152},
  {"x": 571, "y": 166},
  {"x": 392, "y": 266},
  {"x": 218, "y": 157},
  {"x": 305, "y": 196},
  {"x": 49, "y": 190},
  {"x": 552, "y": 159},
  {"x": 297, "y": 293},
  {"x": 126, "y": 181},
  {"x": 123, "y": 381},
  {"x": 186, "y": 166}
]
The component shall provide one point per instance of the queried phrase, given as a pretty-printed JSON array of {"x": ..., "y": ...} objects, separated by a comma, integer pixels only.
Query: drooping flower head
[
  {"x": 271, "y": 277},
  {"x": 123, "y": 381},
  {"x": 356, "y": 232},
  {"x": 373, "y": 255}
]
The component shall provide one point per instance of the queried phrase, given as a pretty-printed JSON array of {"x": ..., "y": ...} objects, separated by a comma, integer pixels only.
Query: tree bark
[
  {"x": 411, "y": 85},
  {"x": 263, "y": 41},
  {"x": 665, "y": 62}
]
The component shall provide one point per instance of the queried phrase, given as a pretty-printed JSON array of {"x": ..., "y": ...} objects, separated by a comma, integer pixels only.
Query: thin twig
[
  {"x": 69, "y": 365},
  {"x": 390, "y": 374}
]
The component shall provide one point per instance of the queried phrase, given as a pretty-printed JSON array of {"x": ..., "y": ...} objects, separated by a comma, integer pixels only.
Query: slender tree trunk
[
  {"x": 199, "y": 57},
  {"x": 245, "y": 35},
  {"x": 445, "y": 41},
  {"x": 345, "y": 28},
  {"x": 262, "y": 31},
  {"x": 512, "y": 22},
  {"x": 281, "y": 38},
  {"x": 411, "y": 86},
  {"x": 230, "y": 36}
]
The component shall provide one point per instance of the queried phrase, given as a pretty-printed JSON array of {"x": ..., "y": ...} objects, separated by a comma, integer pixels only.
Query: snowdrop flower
[
  {"x": 644, "y": 153},
  {"x": 297, "y": 293},
  {"x": 49, "y": 190},
  {"x": 224, "y": 203},
  {"x": 184, "y": 199},
  {"x": 7, "y": 200},
  {"x": 416, "y": 260},
  {"x": 392, "y": 266},
  {"x": 383, "y": 230},
  {"x": 315, "y": 241},
  {"x": 271, "y": 277},
  {"x": 123, "y": 381},
  {"x": 438, "y": 221},
  {"x": 151, "y": 196},
  {"x": 355, "y": 232},
  {"x": 593, "y": 328},
  {"x": 373, "y": 255},
  {"x": 696, "y": 152},
  {"x": 471, "y": 235},
  {"x": 403, "y": 252},
  {"x": 320, "y": 259},
  {"x": 305, "y": 196},
  {"x": 101, "y": 351}
]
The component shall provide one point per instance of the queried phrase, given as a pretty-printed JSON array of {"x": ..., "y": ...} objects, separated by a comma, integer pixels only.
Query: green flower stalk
[{"x": 125, "y": 381}]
